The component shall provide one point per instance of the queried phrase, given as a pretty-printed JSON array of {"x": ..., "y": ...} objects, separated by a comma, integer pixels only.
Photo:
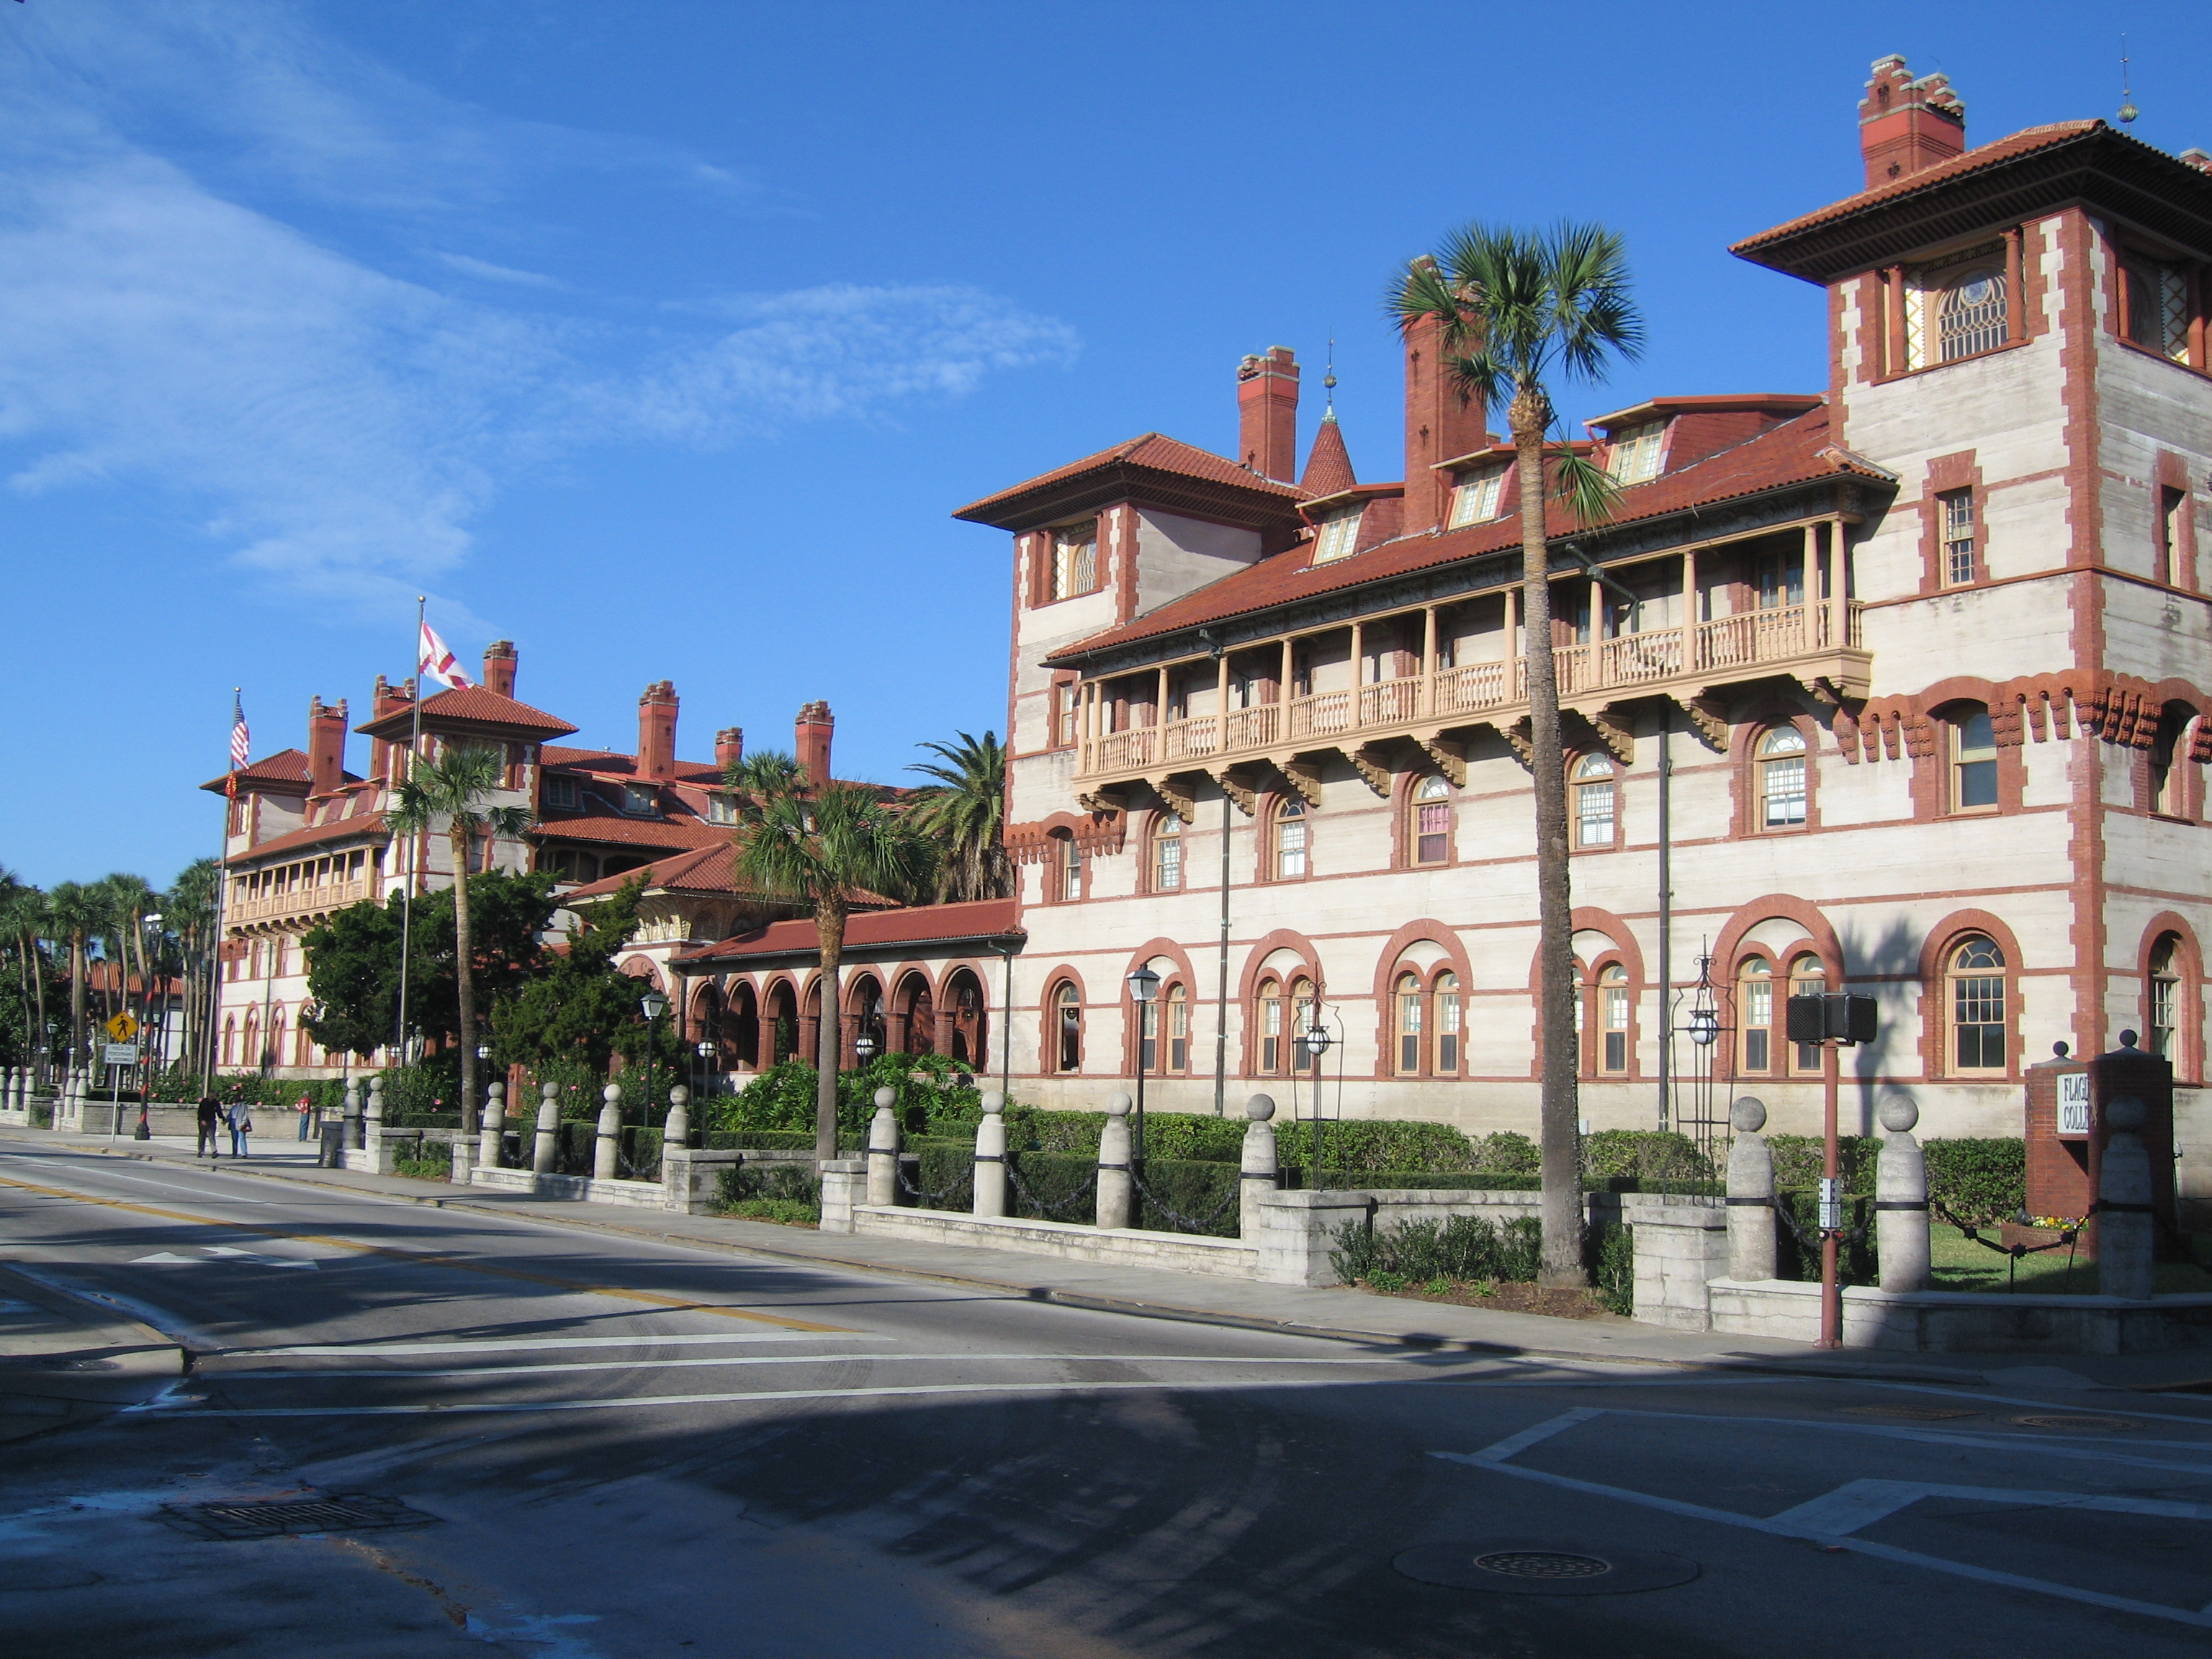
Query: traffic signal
[{"x": 1835, "y": 1016}]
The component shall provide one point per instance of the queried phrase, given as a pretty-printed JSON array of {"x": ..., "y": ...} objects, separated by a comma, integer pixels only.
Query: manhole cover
[
  {"x": 277, "y": 1517},
  {"x": 2062, "y": 1421},
  {"x": 1521, "y": 1566},
  {"x": 1916, "y": 1413}
]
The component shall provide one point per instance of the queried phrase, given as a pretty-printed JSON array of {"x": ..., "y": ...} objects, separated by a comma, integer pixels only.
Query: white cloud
[{"x": 335, "y": 427}]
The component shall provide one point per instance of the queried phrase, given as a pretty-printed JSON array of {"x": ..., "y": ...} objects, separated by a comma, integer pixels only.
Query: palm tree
[
  {"x": 188, "y": 910},
  {"x": 1513, "y": 309},
  {"x": 456, "y": 787},
  {"x": 73, "y": 913},
  {"x": 964, "y": 811},
  {"x": 26, "y": 919},
  {"x": 825, "y": 848}
]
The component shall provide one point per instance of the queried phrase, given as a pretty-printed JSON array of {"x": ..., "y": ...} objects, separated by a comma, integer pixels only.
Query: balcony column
[
  {"x": 1808, "y": 601},
  {"x": 1428, "y": 659},
  {"x": 1221, "y": 707},
  {"x": 1355, "y": 716},
  {"x": 1160, "y": 717},
  {"x": 1693, "y": 656},
  {"x": 1288, "y": 686}
]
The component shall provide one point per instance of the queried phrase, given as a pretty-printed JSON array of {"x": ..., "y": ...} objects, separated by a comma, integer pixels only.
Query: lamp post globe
[{"x": 1144, "y": 985}]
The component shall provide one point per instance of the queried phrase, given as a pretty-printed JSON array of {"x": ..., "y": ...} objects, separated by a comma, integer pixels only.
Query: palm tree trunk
[
  {"x": 464, "y": 983},
  {"x": 830, "y": 926},
  {"x": 38, "y": 991},
  {"x": 77, "y": 998},
  {"x": 1561, "y": 1208}
]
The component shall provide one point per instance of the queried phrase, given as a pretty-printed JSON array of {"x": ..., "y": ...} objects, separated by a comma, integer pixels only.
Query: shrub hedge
[
  {"x": 1980, "y": 1181},
  {"x": 1463, "y": 1247}
]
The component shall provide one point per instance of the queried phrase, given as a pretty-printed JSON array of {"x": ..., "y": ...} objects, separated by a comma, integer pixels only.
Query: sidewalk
[
  {"x": 1342, "y": 1315},
  {"x": 63, "y": 1357}
]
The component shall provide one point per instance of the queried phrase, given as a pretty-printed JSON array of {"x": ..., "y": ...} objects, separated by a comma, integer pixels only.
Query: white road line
[
  {"x": 2056, "y": 1407},
  {"x": 1528, "y": 1438},
  {"x": 498, "y": 1345},
  {"x": 310, "y": 1375},
  {"x": 197, "y": 1192},
  {"x": 636, "y": 1401},
  {"x": 1862, "y": 1503},
  {"x": 1981, "y": 1440}
]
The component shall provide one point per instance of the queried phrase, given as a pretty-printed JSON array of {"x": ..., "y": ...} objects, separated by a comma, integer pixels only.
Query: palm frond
[{"x": 1586, "y": 489}]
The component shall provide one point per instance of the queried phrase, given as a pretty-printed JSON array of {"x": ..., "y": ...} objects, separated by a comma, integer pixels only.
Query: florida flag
[{"x": 433, "y": 659}]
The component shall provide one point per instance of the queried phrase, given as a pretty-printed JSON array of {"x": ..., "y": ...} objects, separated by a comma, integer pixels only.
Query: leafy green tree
[
  {"x": 826, "y": 848},
  {"x": 456, "y": 787},
  {"x": 580, "y": 1009},
  {"x": 1515, "y": 310},
  {"x": 964, "y": 812},
  {"x": 189, "y": 921}
]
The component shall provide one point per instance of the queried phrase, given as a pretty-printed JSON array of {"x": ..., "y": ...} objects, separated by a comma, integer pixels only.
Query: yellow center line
[{"x": 422, "y": 1259}]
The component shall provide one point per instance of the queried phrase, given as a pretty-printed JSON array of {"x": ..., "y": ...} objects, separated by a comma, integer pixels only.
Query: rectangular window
[
  {"x": 561, "y": 792},
  {"x": 2171, "y": 503},
  {"x": 1148, "y": 1036},
  {"x": 1432, "y": 839},
  {"x": 1973, "y": 763},
  {"x": 1074, "y": 560},
  {"x": 640, "y": 800},
  {"x": 1071, "y": 869},
  {"x": 1063, "y": 714},
  {"x": 1291, "y": 847},
  {"x": 1167, "y": 865},
  {"x": 1758, "y": 1026},
  {"x": 1977, "y": 1015},
  {"x": 1447, "y": 1030},
  {"x": 1958, "y": 560},
  {"x": 1409, "y": 1031},
  {"x": 1593, "y": 814},
  {"x": 1271, "y": 1035},
  {"x": 1478, "y": 497},
  {"x": 721, "y": 809},
  {"x": 1178, "y": 1034},
  {"x": 1339, "y": 535},
  {"x": 1635, "y": 452}
]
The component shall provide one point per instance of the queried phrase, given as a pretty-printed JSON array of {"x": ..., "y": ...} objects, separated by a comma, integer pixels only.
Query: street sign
[
  {"x": 122, "y": 1028},
  {"x": 120, "y": 1054},
  {"x": 2073, "y": 1102}
]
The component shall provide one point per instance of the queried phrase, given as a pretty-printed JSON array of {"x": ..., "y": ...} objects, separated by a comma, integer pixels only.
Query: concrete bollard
[
  {"x": 371, "y": 1121},
  {"x": 1901, "y": 1199},
  {"x": 490, "y": 1136},
  {"x": 464, "y": 1159},
  {"x": 844, "y": 1184},
  {"x": 2125, "y": 1261},
  {"x": 884, "y": 1150},
  {"x": 1260, "y": 1171},
  {"x": 1116, "y": 1190},
  {"x": 676, "y": 1130},
  {"x": 1750, "y": 1194},
  {"x": 606, "y": 1155},
  {"x": 991, "y": 1157},
  {"x": 545, "y": 1152},
  {"x": 350, "y": 1112}
]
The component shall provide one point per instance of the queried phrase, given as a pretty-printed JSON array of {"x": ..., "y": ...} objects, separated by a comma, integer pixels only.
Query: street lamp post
[
  {"x": 705, "y": 1076},
  {"x": 1144, "y": 986},
  {"x": 1313, "y": 1043},
  {"x": 655, "y": 1005}
]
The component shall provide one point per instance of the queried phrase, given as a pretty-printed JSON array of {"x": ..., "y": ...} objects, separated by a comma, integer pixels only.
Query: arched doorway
[
  {"x": 783, "y": 1034},
  {"x": 913, "y": 1016},
  {"x": 706, "y": 1034},
  {"x": 741, "y": 1025},
  {"x": 970, "y": 1036},
  {"x": 864, "y": 1012}
]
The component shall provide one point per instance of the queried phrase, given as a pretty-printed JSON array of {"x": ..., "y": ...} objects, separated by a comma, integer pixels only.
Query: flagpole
[
  {"x": 407, "y": 893},
  {"x": 222, "y": 908}
]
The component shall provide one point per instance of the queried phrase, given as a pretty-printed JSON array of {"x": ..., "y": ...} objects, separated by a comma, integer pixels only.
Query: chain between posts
[
  {"x": 1808, "y": 1239},
  {"x": 1014, "y": 1175},
  {"x": 2066, "y": 1235},
  {"x": 967, "y": 1180},
  {"x": 1174, "y": 1214}
]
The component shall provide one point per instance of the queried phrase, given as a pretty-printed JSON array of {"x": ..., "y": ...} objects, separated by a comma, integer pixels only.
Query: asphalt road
[{"x": 602, "y": 1447}]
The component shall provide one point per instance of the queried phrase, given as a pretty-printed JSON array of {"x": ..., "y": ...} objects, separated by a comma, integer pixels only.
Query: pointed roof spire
[{"x": 1328, "y": 467}]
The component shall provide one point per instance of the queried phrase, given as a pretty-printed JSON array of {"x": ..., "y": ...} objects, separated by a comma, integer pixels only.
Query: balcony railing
[
  {"x": 299, "y": 901},
  {"x": 1697, "y": 652}
]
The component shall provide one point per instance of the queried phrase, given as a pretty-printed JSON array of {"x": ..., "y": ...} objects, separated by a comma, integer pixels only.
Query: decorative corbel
[
  {"x": 1373, "y": 771},
  {"x": 1619, "y": 738},
  {"x": 1710, "y": 723},
  {"x": 1242, "y": 794},
  {"x": 1517, "y": 738},
  {"x": 1450, "y": 755},
  {"x": 1101, "y": 800},
  {"x": 1304, "y": 775},
  {"x": 1176, "y": 799}
]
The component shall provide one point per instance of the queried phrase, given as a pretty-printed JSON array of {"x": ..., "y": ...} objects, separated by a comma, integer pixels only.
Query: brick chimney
[
  {"x": 1907, "y": 126},
  {"x": 385, "y": 700},
  {"x": 1268, "y": 414},
  {"x": 499, "y": 667},
  {"x": 809, "y": 741},
  {"x": 729, "y": 747},
  {"x": 1441, "y": 422},
  {"x": 327, "y": 736},
  {"x": 656, "y": 731}
]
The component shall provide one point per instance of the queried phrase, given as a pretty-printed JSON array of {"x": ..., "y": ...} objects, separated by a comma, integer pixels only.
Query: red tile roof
[
  {"x": 703, "y": 870},
  {"x": 685, "y": 832},
  {"x": 916, "y": 925},
  {"x": 1797, "y": 451},
  {"x": 1328, "y": 464},
  {"x": 285, "y": 766},
  {"x": 474, "y": 704},
  {"x": 315, "y": 834},
  {"x": 1154, "y": 454}
]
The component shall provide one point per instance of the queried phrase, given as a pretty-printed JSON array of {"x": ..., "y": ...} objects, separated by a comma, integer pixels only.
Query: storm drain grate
[
  {"x": 1542, "y": 1564},
  {"x": 2077, "y": 1421},
  {"x": 1543, "y": 1567},
  {"x": 282, "y": 1516},
  {"x": 1916, "y": 1413}
]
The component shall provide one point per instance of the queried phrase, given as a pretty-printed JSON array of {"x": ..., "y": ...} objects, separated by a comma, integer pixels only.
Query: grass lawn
[{"x": 1959, "y": 1264}]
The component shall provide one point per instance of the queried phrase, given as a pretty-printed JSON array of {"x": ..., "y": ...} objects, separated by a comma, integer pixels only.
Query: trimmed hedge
[
  {"x": 1645, "y": 1154},
  {"x": 1464, "y": 1247},
  {"x": 1798, "y": 1160},
  {"x": 1979, "y": 1181}
]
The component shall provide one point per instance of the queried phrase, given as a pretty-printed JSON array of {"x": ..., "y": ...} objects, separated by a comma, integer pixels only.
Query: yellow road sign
[{"x": 122, "y": 1028}]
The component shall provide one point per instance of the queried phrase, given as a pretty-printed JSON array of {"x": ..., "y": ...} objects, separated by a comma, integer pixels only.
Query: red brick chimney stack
[
  {"x": 656, "y": 732},
  {"x": 1907, "y": 126},
  {"x": 1268, "y": 414},
  {"x": 327, "y": 736},
  {"x": 729, "y": 746},
  {"x": 809, "y": 741},
  {"x": 1441, "y": 422},
  {"x": 499, "y": 667},
  {"x": 382, "y": 701}
]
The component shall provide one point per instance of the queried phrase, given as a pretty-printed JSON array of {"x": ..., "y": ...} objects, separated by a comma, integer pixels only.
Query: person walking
[
  {"x": 241, "y": 1125},
  {"x": 210, "y": 1114},
  {"x": 306, "y": 1109}
]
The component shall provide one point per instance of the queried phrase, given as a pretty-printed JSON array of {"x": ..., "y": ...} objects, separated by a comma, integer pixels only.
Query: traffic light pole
[{"x": 1832, "y": 1292}]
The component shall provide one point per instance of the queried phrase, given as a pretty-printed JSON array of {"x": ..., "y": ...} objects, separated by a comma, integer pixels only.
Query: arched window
[
  {"x": 1782, "y": 779},
  {"x": 1613, "y": 1014},
  {"x": 1067, "y": 1028},
  {"x": 1595, "y": 815},
  {"x": 1755, "y": 1014},
  {"x": 1973, "y": 759},
  {"x": 1167, "y": 853},
  {"x": 1406, "y": 1001},
  {"x": 1292, "y": 842},
  {"x": 2167, "y": 794},
  {"x": 1430, "y": 829},
  {"x": 273, "y": 1055},
  {"x": 1178, "y": 1002},
  {"x": 1971, "y": 318},
  {"x": 1978, "y": 1006},
  {"x": 230, "y": 1042},
  {"x": 1447, "y": 1024},
  {"x": 1270, "y": 1025},
  {"x": 1807, "y": 978},
  {"x": 2163, "y": 1015}
]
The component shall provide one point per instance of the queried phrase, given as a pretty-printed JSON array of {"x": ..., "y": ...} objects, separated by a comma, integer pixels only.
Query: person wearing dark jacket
[{"x": 211, "y": 1122}]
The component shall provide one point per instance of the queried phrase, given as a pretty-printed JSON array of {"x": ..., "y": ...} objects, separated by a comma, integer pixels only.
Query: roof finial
[
  {"x": 1328, "y": 384},
  {"x": 2128, "y": 110}
]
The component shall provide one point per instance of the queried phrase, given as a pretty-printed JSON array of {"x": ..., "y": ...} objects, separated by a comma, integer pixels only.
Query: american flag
[{"x": 241, "y": 740}]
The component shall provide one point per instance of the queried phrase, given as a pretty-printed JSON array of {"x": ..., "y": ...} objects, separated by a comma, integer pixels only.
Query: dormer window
[
  {"x": 1339, "y": 535},
  {"x": 1074, "y": 560},
  {"x": 1970, "y": 317},
  {"x": 640, "y": 800},
  {"x": 560, "y": 793},
  {"x": 1478, "y": 497},
  {"x": 721, "y": 809},
  {"x": 2154, "y": 308},
  {"x": 1635, "y": 452}
]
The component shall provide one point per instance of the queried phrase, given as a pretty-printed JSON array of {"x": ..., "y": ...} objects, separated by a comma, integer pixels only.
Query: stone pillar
[
  {"x": 991, "y": 1157},
  {"x": 1297, "y": 1230},
  {"x": 1901, "y": 1199},
  {"x": 1260, "y": 1172},
  {"x": 372, "y": 1123},
  {"x": 884, "y": 1150},
  {"x": 1681, "y": 1245},
  {"x": 677, "y": 1131},
  {"x": 489, "y": 1138},
  {"x": 545, "y": 1152},
  {"x": 606, "y": 1155},
  {"x": 464, "y": 1159},
  {"x": 1116, "y": 1191},
  {"x": 1750, "y": 1194},
  {"x": 844, "y": 1184},
  {"x": 2123, "y": 1203}
]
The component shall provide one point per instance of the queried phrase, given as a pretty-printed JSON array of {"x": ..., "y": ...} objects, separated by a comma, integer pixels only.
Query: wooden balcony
[
  {"x": 1815, "y": 644},
  {"x": 294, "y": 903}
]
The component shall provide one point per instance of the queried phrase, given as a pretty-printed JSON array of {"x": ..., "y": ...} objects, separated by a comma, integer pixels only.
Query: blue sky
[{"x": 662, "y": 338}]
